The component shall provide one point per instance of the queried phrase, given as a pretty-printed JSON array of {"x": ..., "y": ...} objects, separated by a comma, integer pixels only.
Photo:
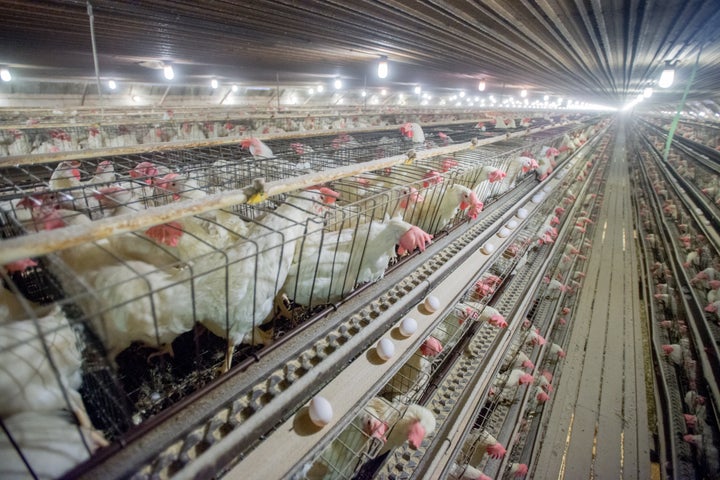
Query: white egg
[
  {"x": 385, "y": 348},
  {"x": 546, "y": 188},
  {"x": 512, "y": 224},
  {"x": 320, "y": 410},
  {"x": 408, "y": 326},
  {"x": 503, "y": 232},
  {"x": 432, "y": 304},
  {"x": 487, "y": 248},
  {"x": 522, "y": 213},
  {"x": 538, "y": 197}
]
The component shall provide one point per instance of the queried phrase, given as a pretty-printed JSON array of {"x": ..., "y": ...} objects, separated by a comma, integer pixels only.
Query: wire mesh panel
[
  {"x": 342, "y": 458},
  {"x": 193, "y": 288},
  {"x": 159, "y": 312}
]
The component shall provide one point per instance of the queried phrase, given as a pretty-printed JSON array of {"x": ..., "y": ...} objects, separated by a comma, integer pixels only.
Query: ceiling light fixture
[
  {"x": 668, "y": 75},
  {"x": 383, "y": 67},
  {"x": 5, "y": 75},
  {"x": 112, "y": 85},
  {"x": 337, "y": 84},
  {"x": 418, "y": 90},
  {"x": 647, "y": 92},
  {"x": 320, "y": 88},
  {"x": 523, "y": 93},
  {"x": 214, "y": 83},
  {"x": 481, "y": 85},
  {"x": 462, "y": 93},
  {"x": 234, "y": 88},
  {"x": 168, "y": 72}
]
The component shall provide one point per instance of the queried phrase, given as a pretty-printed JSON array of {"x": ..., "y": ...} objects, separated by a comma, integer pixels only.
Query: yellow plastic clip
[
  {"x": 411, "y": 155},
  {"x": 256, "y": 198}
]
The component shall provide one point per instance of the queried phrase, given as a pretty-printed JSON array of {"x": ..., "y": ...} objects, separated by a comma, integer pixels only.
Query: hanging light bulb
[
  {"x": 647, "y": 92},
  {"x": 383, "y": 67},
  {"x": 418, "y": 90},
  {"x": 338, "y": 84},
  {"x": 112, "y": 85},
  {"x": 523, "y": 93},
  {"x": 667, "y": 76},
  {"x": 462, "y": 94},
  {"x": 168, "y": 72},
  {"x": 320, "y": 88},
  {"x": 214, "y": 83},
  {"x": 234, "y": 88},
  {"x": 5, "y": 75},
  {"x": 481, "y": 85},
  {"x": 363, "y": 94}
]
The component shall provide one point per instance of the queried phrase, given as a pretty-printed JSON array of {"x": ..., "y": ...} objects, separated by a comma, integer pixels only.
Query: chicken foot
[{"x": 78, "y": 409}]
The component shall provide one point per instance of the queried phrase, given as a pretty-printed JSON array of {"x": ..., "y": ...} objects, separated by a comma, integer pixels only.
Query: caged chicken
[
  {"x": 42, "y": 414},
  {"x": 395, "y": 424},
  {"x": 229, "y": 291},
  {"x": 330, "y": 264},
  {"x": 413, "y": 376},
  {"x": 29, "y": 378},
  {"x": 440, "y": 205},
  {"x": 380, "y": 422},
  {"x": 51, "y": 443}
]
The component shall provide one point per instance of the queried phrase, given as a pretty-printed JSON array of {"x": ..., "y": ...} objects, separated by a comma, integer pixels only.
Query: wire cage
[
  {"x": 356, "y": 450},
  {"x": 345, "y": 454},
  {"x": 212, "y": 288},
  {"x": 134, "y": 296}
]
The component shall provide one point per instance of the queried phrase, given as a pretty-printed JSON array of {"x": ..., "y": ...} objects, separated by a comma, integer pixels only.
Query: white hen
[
  {"x": 50, "y": 442},
  {"x": 440, "y": 205},
  {"x": 405, "y": 424},
  {"x": 28, "y": 379},
  {"x": 331, "y": 264}
]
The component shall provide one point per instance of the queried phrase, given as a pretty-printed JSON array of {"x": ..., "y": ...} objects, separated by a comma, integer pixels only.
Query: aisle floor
[{"x": 598, "y": 425}]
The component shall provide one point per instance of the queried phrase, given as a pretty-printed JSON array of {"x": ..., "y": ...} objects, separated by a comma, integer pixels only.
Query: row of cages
[
  {"x": 35, "y": 139},
  {"x": 100, "y": 336},
  {"x": 703, "y": 176},
  {"x": 705, "y": 134},
  {"x": 681, "y": 367},
  {"x": 501, "y": 434},
  {"x": 360, "y": 451}
]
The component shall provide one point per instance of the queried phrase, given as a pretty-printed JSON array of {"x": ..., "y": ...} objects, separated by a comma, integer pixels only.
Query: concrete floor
[{"x": 598, "y": 425}]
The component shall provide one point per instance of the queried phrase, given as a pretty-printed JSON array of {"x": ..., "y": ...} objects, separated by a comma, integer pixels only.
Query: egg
[
  {"x": 522, "y": 213},
  {"x": 512, "y": 224},
  {"x": 432, "y": 304},
  {"x": 408, "y": 326},
  {"x": 546, "y": 188},
  {"x": 538, "y": 197},
  {"x": 487, "y": 248},
  {"x": 385, "y": 348},
  {"x": 320, "y": 411},
  {"x": 503, "y": 232}
]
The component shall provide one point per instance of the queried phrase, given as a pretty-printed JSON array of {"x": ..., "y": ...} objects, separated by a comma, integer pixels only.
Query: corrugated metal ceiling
[{"x": 597, "y": 50}]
